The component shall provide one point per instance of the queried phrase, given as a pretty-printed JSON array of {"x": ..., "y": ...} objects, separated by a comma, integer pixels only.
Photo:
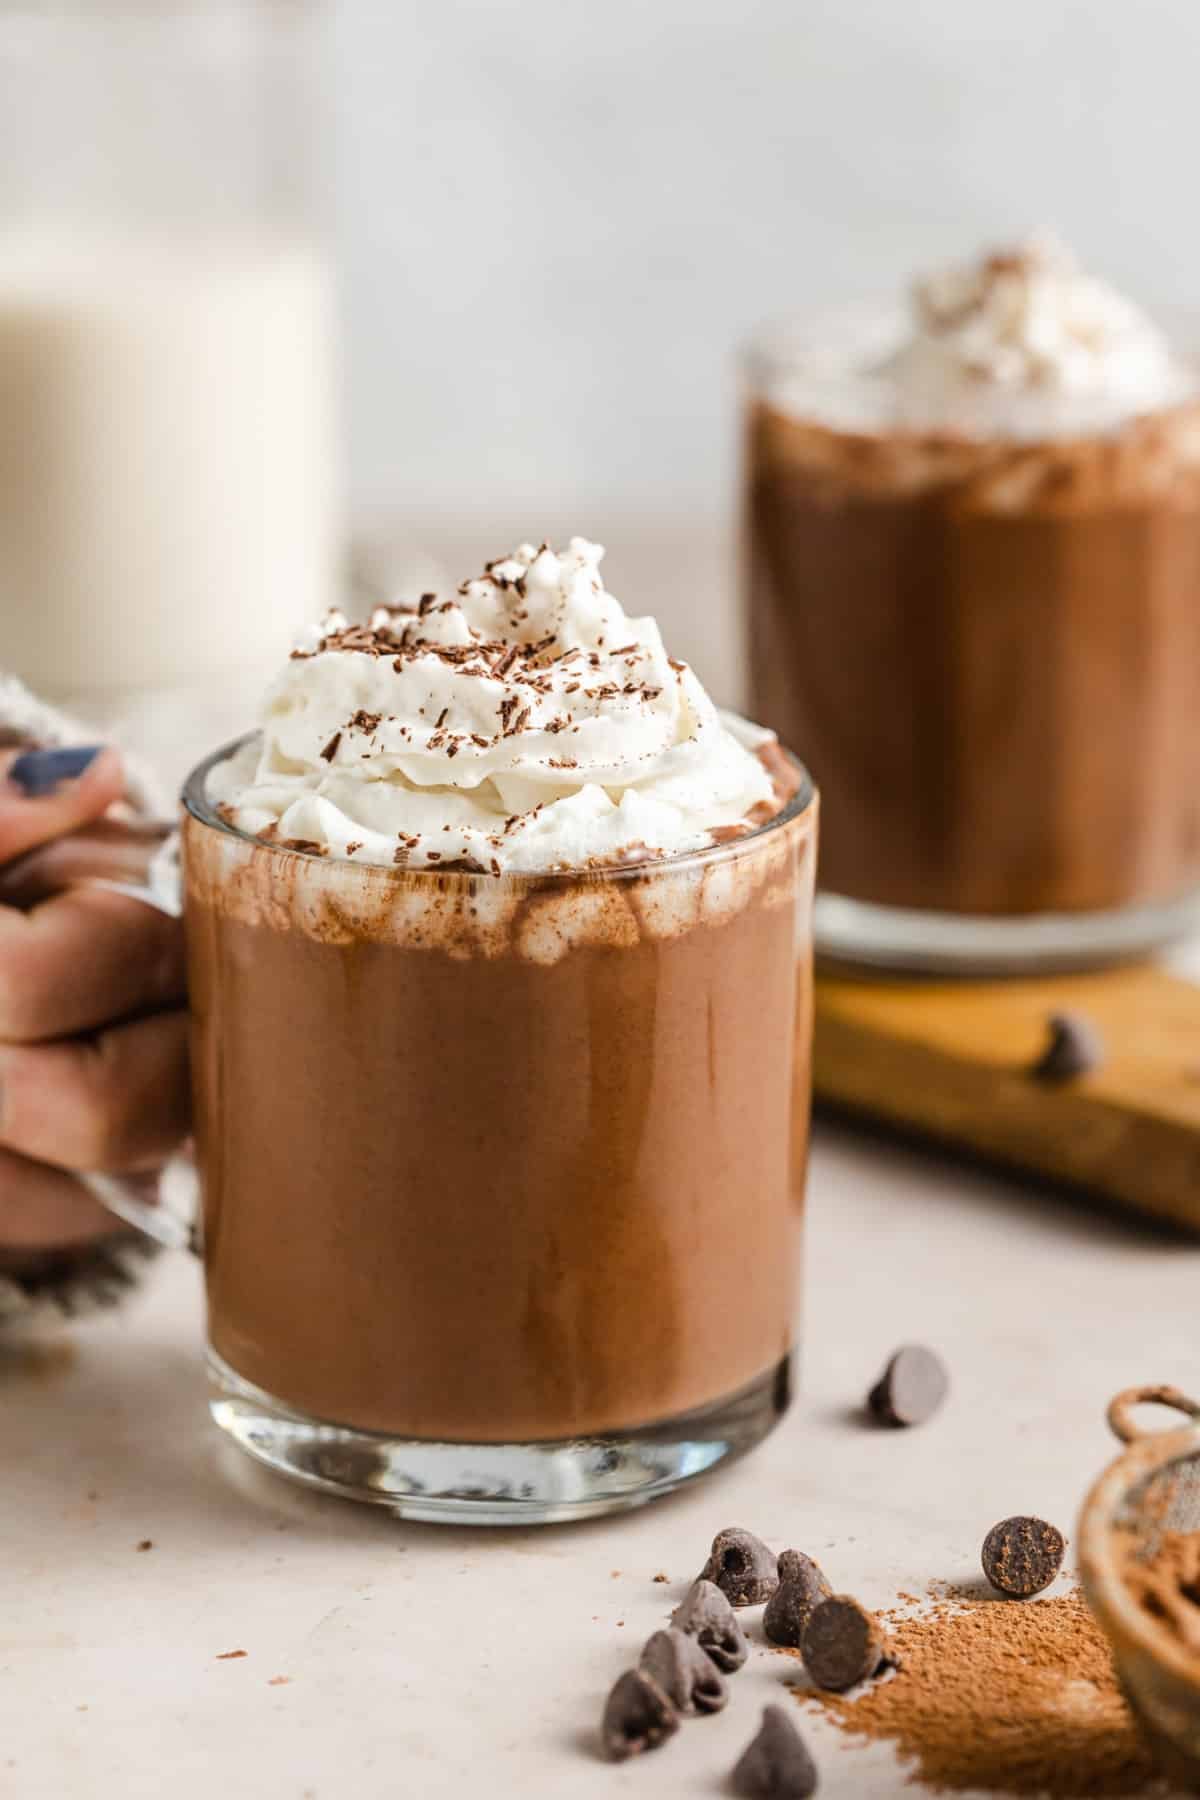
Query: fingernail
[{"x": 39, "y": 772}]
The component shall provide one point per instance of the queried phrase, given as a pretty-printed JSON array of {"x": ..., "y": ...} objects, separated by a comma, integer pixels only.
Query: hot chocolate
[
  {"x": 501, "y": 1041},
  {"x": 974, "y": 593}
]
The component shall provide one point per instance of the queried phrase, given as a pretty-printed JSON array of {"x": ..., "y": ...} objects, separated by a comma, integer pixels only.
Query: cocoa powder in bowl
[
  {"x": 1168, "y": 1587},
  {"x": 1000, "y": 1695}
]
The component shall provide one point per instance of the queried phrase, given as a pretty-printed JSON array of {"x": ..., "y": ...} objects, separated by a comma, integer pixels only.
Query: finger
[
  {"x": 46, "y": 1209},
  {"x": 109, "y": 849},
  {"x": 118, "y": 1101},
  {"x": 28, "y": 818},
  {"x": 82, "y": 959}
]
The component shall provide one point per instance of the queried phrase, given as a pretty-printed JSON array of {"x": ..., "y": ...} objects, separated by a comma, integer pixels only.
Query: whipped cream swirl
[
  {"x": 1018, "y": 344},
  {"x": 1032, "y": 318},
  {"x": 526, "y": 724}
]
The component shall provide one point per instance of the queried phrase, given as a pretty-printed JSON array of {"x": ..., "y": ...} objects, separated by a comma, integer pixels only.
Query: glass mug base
[
  {"x": 497, "y": 1484},
  {"x": 905, "y": 940}
]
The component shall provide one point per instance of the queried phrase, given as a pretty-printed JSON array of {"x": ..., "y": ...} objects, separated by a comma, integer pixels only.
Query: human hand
[{"x": 93, "y": 1041}]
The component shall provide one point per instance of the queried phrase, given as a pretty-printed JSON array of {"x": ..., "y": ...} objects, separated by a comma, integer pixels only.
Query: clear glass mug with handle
[{"x": 503, "y": 1175}]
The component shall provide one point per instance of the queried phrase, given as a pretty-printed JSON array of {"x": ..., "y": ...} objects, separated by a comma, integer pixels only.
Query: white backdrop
[{"x": 557, "y": 217}]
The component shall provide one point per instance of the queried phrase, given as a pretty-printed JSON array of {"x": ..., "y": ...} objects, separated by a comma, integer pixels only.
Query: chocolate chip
[
  {"x": 742, "y": 1567},
  {"x": 1075, "y": 1048},
  {"x": 842, "y": 1644},
  {"x": 705, "y": 1614},
  {"x": 1021, "y": 1556},
  {"x": 802, "y": 1587},
  {"x": 775, "y": 1765},
  {"x": 637, "y": 1716},
  {"x": 911, "y": 1388},
  {"x": 685, "y": 1672}
]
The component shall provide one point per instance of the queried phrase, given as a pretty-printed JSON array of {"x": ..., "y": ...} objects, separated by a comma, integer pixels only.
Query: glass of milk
[{"x": 167, "y": 436}]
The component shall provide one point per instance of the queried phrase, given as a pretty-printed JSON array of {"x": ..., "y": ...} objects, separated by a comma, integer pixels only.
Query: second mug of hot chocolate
[
  {"x": 499, "y": 953},
  {"x": 973, "y": 593}
]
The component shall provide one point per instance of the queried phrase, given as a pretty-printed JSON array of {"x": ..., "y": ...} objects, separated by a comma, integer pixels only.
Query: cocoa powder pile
[{"x": 1018, "y": 1698}]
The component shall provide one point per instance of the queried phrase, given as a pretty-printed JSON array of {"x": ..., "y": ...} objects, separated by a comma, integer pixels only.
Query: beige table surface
[{"x": 425, "y": 1661}]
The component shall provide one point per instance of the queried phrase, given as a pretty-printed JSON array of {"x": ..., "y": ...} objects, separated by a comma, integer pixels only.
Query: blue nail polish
[{"x": 39, "y": 772}]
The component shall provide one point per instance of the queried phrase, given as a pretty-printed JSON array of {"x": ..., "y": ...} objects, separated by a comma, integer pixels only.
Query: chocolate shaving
[
  {"x": 466, "y": 865},
  {"x": 330, "y": 750}
]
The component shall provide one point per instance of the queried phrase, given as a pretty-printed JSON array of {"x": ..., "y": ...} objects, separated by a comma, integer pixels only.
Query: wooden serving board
[{"x": 951, "y": 1060}]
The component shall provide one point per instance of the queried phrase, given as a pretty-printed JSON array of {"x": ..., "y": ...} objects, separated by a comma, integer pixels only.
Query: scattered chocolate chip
[
  {"x": 1075, "y": 1048},
  {"x": 146, "y": 1544},
  {"x": 775, "y": 1765},
  {"x": 706, "y": 1615},
  {"x": 742, "y": 1567},
  {"x": 660, "y": 1577},
  {"x": 1021, "y": 1556},
  {"x": 229, "y": 1655},
  {"x": 637, "y": 1716},
  {"x": 802, "y": 1587},
  {"x": 330, "y": 750},
  {"x": 911, "y": 1388},
  {"x": 842, "y": 1644},
  {"x": 685, "y": 1672}
]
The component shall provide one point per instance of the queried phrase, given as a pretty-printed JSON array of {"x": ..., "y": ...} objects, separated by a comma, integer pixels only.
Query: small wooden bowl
[{"x": 1152, "y": 1488}]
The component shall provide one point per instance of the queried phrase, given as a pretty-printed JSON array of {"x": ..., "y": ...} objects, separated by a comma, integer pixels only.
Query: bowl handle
[{"x": 1121, "y": 1407}]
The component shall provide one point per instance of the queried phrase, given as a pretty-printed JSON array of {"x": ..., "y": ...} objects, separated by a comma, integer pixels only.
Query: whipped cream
[
  {"x": 1019, "y": 343},
  {"x": 1031, "y": 318},
  {"x": 525, "y": 724}
]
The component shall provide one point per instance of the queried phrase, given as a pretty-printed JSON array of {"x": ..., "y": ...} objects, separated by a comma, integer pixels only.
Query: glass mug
[
  {"x": 987, "y": 640},
  {"x": 502, "y": 1177}
]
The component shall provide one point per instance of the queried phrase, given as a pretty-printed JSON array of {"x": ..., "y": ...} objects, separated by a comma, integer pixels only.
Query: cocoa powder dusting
[{"x": 1015, "y": 1697}]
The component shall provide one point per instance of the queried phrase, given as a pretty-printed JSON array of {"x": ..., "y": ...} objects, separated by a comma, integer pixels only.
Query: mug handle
[
  {"x": 141, "y": 860},
  {"x": 170, "y": 1223}
]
